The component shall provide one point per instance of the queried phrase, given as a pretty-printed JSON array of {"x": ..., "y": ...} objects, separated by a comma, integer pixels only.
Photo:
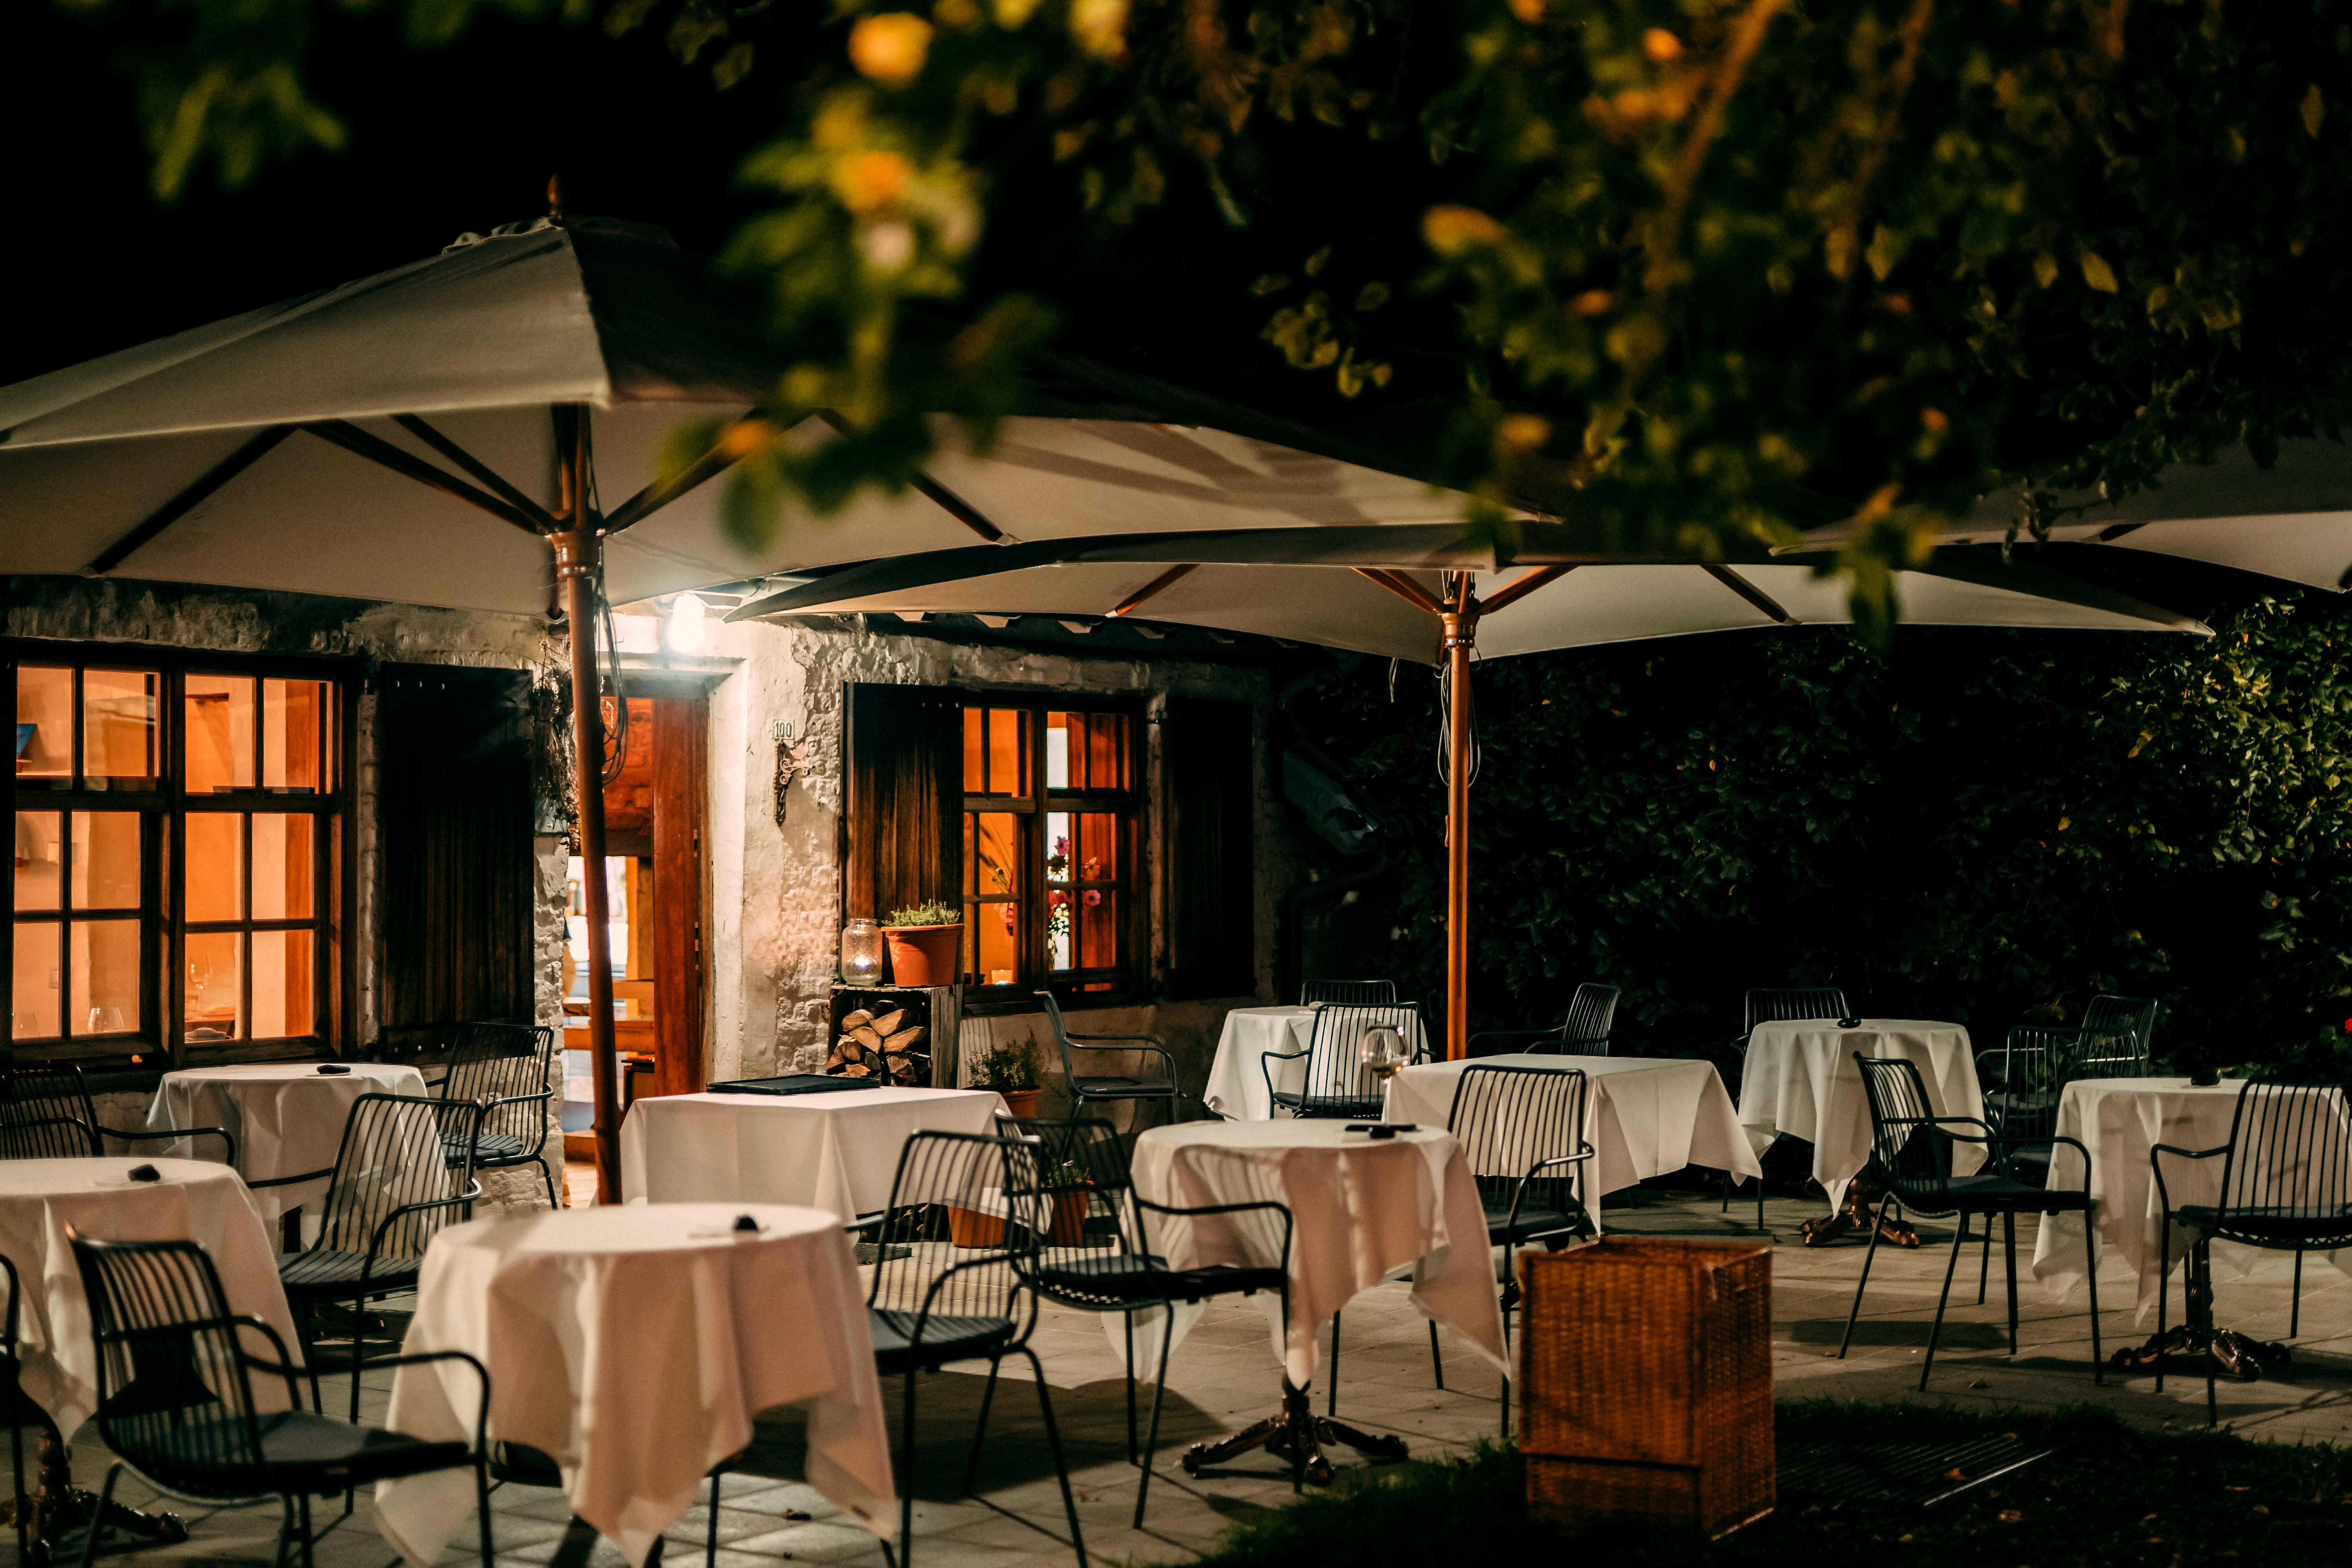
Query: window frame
[
  {"x": 1126, "y": 984},
  {"x": 163, "y": 813}
]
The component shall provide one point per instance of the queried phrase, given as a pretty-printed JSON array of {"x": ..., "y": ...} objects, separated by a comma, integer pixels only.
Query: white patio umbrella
[{"x": 1426, "y": 593}]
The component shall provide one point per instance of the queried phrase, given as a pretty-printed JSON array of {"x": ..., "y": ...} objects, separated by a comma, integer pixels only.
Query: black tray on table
[{"x": 795, "y": 1083}]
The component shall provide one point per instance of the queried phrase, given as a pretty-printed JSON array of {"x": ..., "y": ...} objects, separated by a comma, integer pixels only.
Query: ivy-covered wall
[{"x": 1981, "y": 825}]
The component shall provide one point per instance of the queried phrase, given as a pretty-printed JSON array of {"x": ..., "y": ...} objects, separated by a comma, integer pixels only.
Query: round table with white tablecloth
[
  {"x": 287, "y": 1117},
  {"x": 1645, "y": 1116},
  {"x": 2120, "y": 1121},
  {"x": 1799, "y": 1080},
  {"x": 634, "y": 1345},
  {"x": 837, "y": 1151},
  {"x": 1238, "y": 1085}
]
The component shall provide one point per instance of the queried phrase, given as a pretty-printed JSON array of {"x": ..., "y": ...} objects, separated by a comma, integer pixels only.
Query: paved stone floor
[{"x": 1224, "y": 1376}]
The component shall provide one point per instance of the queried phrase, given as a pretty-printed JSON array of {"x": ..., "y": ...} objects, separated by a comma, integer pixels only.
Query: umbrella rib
[
  {"x": 938, "y": 494},
  {"x": 723, "y": 455},
  {"x": 1518, "y": 588},
  {"x": 188, "y": 500},
  {"x": 1749, "y": 592},
  {"x": 1403, "y": 587},
  {"x": 514, "y": 498},
  {"x": 377, "y": 450},
  {"x": 1149, "y": 590}
]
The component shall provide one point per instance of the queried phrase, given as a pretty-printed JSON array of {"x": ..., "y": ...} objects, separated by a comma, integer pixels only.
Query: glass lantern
[
  {"x": 861, "y": 951},
  {"x": 1383, "y": 1052}
]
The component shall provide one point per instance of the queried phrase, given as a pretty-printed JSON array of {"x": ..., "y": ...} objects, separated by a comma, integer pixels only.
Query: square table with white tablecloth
[
  {"x": 1644, "y": 1116},
  {"x": 1236, "y": 1087},
  {"x": 837, "y": 1151},
  {"x": 634, "y": 1346},
  {"x": 197, "y": 1200},
  {"x": 287, "y": 1117},
  {"x": 2120, "y": 1121},
  {"x": 1799, "y": 1080}
]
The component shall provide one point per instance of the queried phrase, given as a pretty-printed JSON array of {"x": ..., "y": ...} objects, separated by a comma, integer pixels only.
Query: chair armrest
[
  {"x": 1280, "y": 1056},
  {"x": 482, "y": 1411},
  {"x": 220, "y": 1132},
  {"x": 289, "y": 1181},
  {"x": 1483, "y": 1036},
  {"x": 284, "y": 1366},
  {"x": 2163, "y": 1196},
  {"x": 1153, "y": 1039},
  {"x": 375, "y": 1240},
  {"x": 15, "y": 1295},
  {"x": 1198, "y": 1210},
  {"x": 1159, "y": 1051}
]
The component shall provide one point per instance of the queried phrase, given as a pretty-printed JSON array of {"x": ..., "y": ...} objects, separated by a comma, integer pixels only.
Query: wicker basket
[{"x": 1646, "y": 1384}]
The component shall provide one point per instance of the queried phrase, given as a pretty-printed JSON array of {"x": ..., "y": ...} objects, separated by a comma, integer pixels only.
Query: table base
[
  {"x": 1856, "y": 1216},
  {"x": 1297, "y": 1430},
  {"x": 57, "y": 1505},
  {"x": 2239, "y": 1356}
]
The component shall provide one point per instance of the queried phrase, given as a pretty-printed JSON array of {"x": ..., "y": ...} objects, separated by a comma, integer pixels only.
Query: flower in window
[{"x": 1093, "y": 897}]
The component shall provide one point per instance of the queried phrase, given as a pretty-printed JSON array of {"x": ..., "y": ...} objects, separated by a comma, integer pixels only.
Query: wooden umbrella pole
[
  {"x": 577, "y": 550},
  {"x": 1460, "y": 621}
]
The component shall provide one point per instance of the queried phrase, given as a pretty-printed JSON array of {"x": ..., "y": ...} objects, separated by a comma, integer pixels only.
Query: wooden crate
[{"x": 1645, "y": 1372}]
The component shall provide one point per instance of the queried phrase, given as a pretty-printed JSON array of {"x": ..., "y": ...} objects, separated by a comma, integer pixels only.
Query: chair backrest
[
  {"x": 400, "y": 1155},
  {"x": 46, "y": 1113},
  {"x": 1061, "y": 1037},
  {"x": 2108, "y": 1015},
  {"x": 1912, "y": 1159},
  {"x": 1347, "y": 993},
  {"x": 1781, "y": 1005},
  {"x": 999, "y": 1178},
  {"x": 2290, "y": 1160},
  {"x": 173, "y": 1396},
  {"x": 1335, "y": 1064},
  {"x": 1506, "y": 1119},
  {"x": 504, "y": 1062},
  {"x": 1084, "y": 1204},
  {"x": 2103, "y": 1054},
  {"x": 1590, "y": 1013},
  {"x": 1242, "y": 1236},
  {"x": 2023, "y": 1077}
]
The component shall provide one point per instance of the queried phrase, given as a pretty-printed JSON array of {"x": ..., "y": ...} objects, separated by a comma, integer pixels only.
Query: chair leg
[
  {"x": 1054, "y": 1441},
  {"x": 96, "y": 1519},
  {"x": 2008, "y": 1241},
  {"x": 2091, "y": 1279},
  {"x": 1937, "y": 1331},
  {"x": 1331, "y": 1388},
  {"x": 2202, "y": 1257},
  {"x": 285, "y": 1527},
  {"x": 1863, "y": 1284},
  {"x": 1727, "y": 1192},
  {"x": 1436, "y": 1363},
  {"x": 359, "y": 1352},
  {"x": 907, "y": 1472},
  {"x": 1129, "y": 1316},
  {"x": 979, "y": 1433},
  {"x": 2294, "y": 1300},
  {"x": 1159, "y": 1393},
  {"x": 302, "y": 1508},
  {"x": 482, "y": 1507},
  {"x": 711, "y": 1539},
  {"x": 1984, "y": 1267},
  {"x": 554, "y": 1200},
  {"x": 24, "y": 1504}
]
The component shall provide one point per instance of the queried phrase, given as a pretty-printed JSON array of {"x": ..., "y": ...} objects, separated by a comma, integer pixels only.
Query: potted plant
[
  {"x": 1012, "y": 1072},
  {"x": 923, "y": 941},
  {"x": 1068, "y": 1191}
]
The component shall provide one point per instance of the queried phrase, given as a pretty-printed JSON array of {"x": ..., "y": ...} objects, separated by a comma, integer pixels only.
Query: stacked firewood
[{"x": 880, "y": 1044}]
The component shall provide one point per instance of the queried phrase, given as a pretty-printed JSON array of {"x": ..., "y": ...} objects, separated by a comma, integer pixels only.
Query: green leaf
[
  {"x": 2314, "y": 110},
  {"x": 2097, "y": 273}
]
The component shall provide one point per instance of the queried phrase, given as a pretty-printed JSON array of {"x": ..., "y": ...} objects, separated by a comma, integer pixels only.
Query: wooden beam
[
  {"x": 187, "y": 500},
  {"x": 1519, "y": 587},
  {"x": 377, "y": 450},
  {"x": 1149, "y": 590},
  {"x": 479, "y": 470},
  {"x": 1403, "y": 587}
]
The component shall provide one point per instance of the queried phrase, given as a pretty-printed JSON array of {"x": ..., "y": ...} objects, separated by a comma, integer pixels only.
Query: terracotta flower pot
[
  {"x": 923, "y": 955},
  {"x": 1019, "y": 1102},
  {"x": 972, "y": 1227},
  {"x": 1067, "y": 1227}
]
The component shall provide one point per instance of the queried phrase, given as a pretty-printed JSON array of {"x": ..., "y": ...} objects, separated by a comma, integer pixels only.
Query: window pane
[
  {"x": 1059, "y": 948},
  {"x": 994, "y": 934},
  {"x": 1006, "y": 771},
  {"x": 105, "y": 995},
  {"x": 214, "y": 988},
  {"x": 37, "y": 972},
  {"x": 996, "y": 853},
  {"x": 117, "y": 737},
  {"x": 293, "y": 734},
  {"x": 106, "y": 859},
  {"x": 218, "y": 720},
  {"x": 993, "y": 869},
  {"x": 215, "y": 884},
  {"x": 975, "y": 752},
  {"x": 1105, "y": 750},
  {"x": 1097, "y": 928},
  {"x": 1057, "y": 750},
  {"x": 38, "y": 860},
  {"x": 1097, "y": 847},
  {"x": 281, "y": 984},
  {"x": 44, "y": 723},
  {"x": 282, "y": 869}
]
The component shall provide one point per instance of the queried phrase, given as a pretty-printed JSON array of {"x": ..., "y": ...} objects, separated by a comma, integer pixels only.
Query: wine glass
[{"x": 1382, "y": 1051}]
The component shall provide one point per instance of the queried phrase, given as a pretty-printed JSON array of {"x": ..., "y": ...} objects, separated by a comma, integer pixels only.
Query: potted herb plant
[
  {"x": 1068, "y": 1190},
  {"x": 1012, "y": 1072},
  {"x": 923, "y": 941}
]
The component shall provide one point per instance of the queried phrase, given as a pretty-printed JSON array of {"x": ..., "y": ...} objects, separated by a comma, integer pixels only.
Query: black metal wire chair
[
  {"x": 2286, "y": 1186},
  {"x": 176, "y": 1399},
  {"x": 1583, "y": 1033},
  {"x": 18, "y": 1408},
  {"x": 2025, "y": 1078},
  {"x": 2110, "y": 1014},
  {"x": 1346, "y": 993},
  {"x": 46, "y": 1113},
  {"x": 510, "y": 1070},
  {"x": 1097, "y": 1253},
  {"x": 1913, "y": 1147},
  {"x": 1772, "y": 1005},
  {"x": 1338, "y": 1082},
  {"x": 1087, "y": 1090},
  {"x": 404, "y": 1170},
  {"x": 981, "y": 1306}
]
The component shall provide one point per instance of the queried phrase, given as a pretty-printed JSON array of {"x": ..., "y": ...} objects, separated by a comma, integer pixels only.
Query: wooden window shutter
[
  {"x": 1211, "y": 860},
  {"x": 454, "y": 798},
  {"x": 904, "y": 823}
]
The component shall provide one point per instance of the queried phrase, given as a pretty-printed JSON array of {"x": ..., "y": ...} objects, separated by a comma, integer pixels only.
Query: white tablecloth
[
  {"x": 836, "y": 1152},
  {"x": 634, "y": 1346},
  {"x": 1237, "y": 1081},
  {"x": 1359, "y": 1210},
  {"x": 197, "y": 1200},
  {"x": 2119, "y": 1119},
  {"x": 1644, "y": 1116},
  {"x": 287, "y": 1117},
  {"x": 1799, "y": 1080}
]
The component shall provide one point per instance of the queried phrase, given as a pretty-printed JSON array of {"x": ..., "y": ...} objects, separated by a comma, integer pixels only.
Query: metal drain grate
[{"x": 1913, "y": 1474}]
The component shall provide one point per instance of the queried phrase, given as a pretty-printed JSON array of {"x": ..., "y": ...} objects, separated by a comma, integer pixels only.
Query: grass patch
[{"x": 2114, "y": 1497}]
